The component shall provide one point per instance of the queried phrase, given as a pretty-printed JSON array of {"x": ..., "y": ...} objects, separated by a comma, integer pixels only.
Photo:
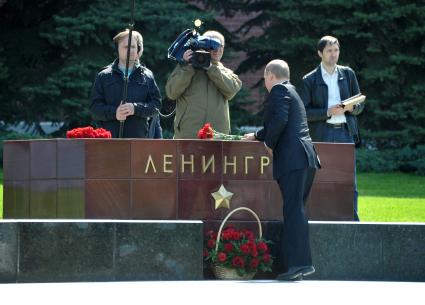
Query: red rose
[
  {"x": 252, "y": 245},
  {"x": 221, "y": 256},
  {"x": 206, "y": 253},
  {"x": 228, "y": 247},
  {"x": 254, "y": 253},
  {"x": 262, "y": 247},
  {"x": 245, "y": 248},
  {"x": 238, "y": 262},
  {"x": 206, "y": 132},
  {"x": 209, "y": 133},
  {"x": 212, "y": 234},
  {"x": 236, "y": 235},
  {"x": 88, "y": 132},
  {"x": 249, "y": 235},
  {"x": 227, "y": 235},
  {"x": 211, "y": 243},
  {"x": 254, "y": 263},
  {"x": 266, "y": 258},
  {"x": 201, "y": 134},
  {"x": 102, "y": 133}
]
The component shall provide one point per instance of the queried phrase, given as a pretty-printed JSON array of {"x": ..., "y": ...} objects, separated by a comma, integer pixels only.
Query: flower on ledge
[
  {"x": 207, "y": 132},
  {"x": 238, "y": 249},
  {"x": 88, "y": 132}
]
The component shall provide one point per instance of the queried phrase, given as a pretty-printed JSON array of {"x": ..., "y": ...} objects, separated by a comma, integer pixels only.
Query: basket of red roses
[{"x": 237, "y": 254}]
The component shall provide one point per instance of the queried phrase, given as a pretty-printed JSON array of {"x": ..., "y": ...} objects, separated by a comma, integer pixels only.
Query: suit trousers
[{"x": 295, "y": 241}]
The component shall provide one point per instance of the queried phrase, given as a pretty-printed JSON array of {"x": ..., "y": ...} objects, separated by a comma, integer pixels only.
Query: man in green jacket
[{"x": 202, "y": 95}]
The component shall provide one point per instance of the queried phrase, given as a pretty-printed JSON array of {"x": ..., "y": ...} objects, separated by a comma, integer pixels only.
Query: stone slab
[
  {"x": 368, "y": 251},
  {"x": 59, "y": 251},
  {"x": 65, "y": 251},
  {"x": 158, "y": 251},
  {"x": 76, "y": 251},
  {"x": 8, "y": 251}
]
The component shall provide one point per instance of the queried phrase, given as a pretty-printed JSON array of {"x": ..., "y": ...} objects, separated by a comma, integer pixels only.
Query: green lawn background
[
  {"x": 383, "y": 197},
  {"x": 391, "y": 197}
]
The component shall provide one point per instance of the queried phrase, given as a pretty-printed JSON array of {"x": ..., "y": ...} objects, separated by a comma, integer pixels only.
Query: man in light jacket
[{"x": 202, "y": 95}]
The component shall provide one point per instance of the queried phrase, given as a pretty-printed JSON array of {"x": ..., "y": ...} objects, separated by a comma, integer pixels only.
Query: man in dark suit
[
  {"x": 286, "y": 136},
  {"x": 323, "y": 90}
]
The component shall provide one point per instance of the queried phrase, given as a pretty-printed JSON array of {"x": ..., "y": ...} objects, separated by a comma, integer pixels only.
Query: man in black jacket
[
  {"x": 323, "y": 90},
  {"x": 286, "y": 136},
  {"x": 144, "y": 99}
]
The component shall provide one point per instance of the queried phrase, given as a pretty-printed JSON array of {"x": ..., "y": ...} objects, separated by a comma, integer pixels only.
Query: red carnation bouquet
[
  {"x": 88, "y": 132},
  {"x": 207, "y": 132},
  {"x": 238, "y": 249}
]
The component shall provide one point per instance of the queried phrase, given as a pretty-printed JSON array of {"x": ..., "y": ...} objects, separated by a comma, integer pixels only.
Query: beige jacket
[{"x": 202, "y": 97}]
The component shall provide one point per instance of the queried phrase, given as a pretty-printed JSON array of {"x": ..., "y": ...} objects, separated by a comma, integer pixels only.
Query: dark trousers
[
  {"x": 295, "y": 241},
  {"x": 341, "y": 135}
]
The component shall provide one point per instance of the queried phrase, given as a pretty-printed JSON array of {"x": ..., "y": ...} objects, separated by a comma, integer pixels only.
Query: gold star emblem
[{"x": 222, "y": 198}]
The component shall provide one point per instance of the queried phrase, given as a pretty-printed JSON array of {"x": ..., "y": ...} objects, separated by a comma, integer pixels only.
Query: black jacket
[
  {"x": 315, "y": 98},
  {"x": 107, "y": 94},
  {"x": 286, "y": 131}
]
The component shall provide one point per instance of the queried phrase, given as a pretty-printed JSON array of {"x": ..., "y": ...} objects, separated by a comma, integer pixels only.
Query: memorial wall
[{"x": 162, "y": 179}]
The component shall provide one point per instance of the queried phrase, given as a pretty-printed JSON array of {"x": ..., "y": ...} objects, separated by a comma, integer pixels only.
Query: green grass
[
  {"x": 391, "y": 197},
  {"x": 387, "y": 197}
]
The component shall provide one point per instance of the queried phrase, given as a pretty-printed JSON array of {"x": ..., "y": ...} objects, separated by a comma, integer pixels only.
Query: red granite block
[
  {"x": 331, "y": 201},
  {"x": 22, "y": 199},
  {"x": 16, "y": 160},
  {"x": 107, "y": 199},
  {"x": 246, "y": 160},
  {"x": 43, "y": 199},
  {"x": 153, "y": 158},
  {"x": 154, "y": 199},
  {"x": 337, "y": 162},
  {"x": 107, "y": 158},
  {"x": 43, "y": 159},
  {"x": 9, "y": 201},
  {"x": 255, "y": 195},
  {"x": 70, "y": 199},
  {"x": 195, "y": 200},
  {"x": 71, "y": 158},
  {"x": 199, "y": 159}
]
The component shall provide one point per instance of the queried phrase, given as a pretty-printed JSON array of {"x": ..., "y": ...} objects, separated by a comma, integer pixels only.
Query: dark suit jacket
[
  {"x": 286, "y": 132},
  {"x": 315, "y": 98}
]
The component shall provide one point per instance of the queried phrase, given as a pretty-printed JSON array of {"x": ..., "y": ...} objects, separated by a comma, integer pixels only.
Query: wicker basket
[{"x": 224, "y": 273}]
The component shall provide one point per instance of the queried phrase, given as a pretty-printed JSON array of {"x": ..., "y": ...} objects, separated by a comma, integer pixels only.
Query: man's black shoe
[{"x": 296, "y": 273}]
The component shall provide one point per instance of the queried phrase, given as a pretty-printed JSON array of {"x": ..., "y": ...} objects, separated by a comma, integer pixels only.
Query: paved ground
[{"x": 215, "y": 292}]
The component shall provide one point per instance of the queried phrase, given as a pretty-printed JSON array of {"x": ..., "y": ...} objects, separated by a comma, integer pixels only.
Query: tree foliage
[
  {"x": 382, "y": 40},
  {"x": 51, "y": 51}
]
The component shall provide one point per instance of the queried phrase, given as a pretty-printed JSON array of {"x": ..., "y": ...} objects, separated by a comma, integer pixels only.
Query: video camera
[{"x": 200, "y": 45}]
